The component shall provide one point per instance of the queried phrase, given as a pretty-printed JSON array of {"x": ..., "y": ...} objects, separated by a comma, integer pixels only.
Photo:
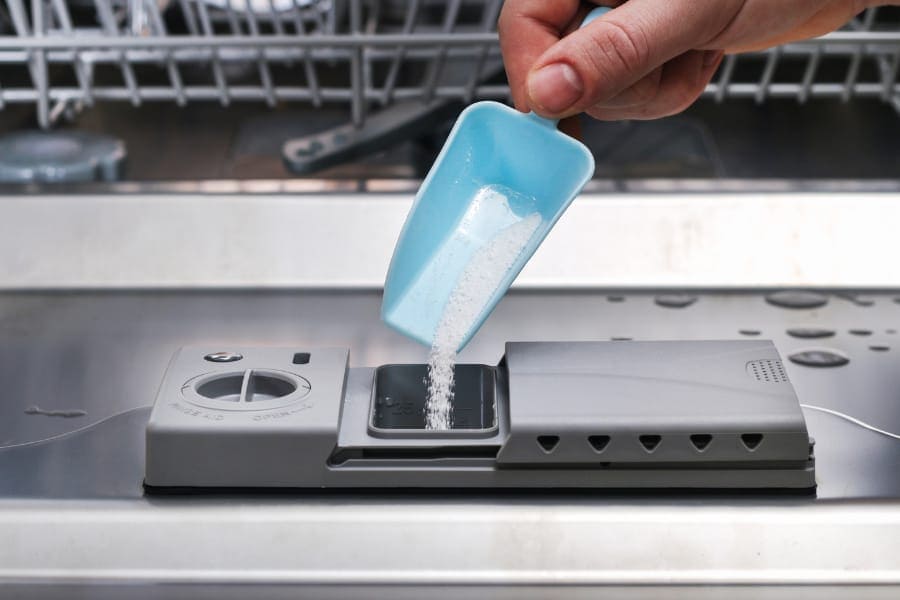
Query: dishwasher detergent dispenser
[{"x": 674, "y": 414}]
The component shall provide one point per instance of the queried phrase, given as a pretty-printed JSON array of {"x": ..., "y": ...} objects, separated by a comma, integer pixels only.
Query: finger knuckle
[
  {"x": 681, "y": 97},
  {"x": 623, "y": 44},
  {"x": 688, "y": 93},
  {"x": 646, "y": 90}
]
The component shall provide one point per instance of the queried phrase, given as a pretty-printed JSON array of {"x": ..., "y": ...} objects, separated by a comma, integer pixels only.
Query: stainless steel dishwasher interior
[
  {"x": 782, "y": 177},
  {"x": 86, "y": 334}
]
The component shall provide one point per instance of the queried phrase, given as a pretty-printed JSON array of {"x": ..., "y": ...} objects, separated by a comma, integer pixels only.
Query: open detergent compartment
[
  {"x": 399, "y": 397},
  {"x": 550, "y": 414}
]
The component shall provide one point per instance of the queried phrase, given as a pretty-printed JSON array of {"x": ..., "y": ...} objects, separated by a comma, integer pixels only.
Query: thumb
[{"x": 600, "y": 60}]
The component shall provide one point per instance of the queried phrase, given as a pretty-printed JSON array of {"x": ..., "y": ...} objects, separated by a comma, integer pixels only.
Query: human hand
[{"x": 645, "y": 58}]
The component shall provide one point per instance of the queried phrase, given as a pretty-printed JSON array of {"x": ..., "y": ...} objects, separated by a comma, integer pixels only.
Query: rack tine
[
  {"x": 81, "y": 70},
  {"x": 19, "y": 17},
  {"x": 265, "y": 75},
  {"x": 137, "y": 17},
  {"x": 277, "y": 26},
  {"x": 809, "y": 74},
  {"x": 768, "y": 73},
  {"x": 190, "y": 19},
  {"x": 853, "y": 71},
  {"x": 370, "y": 26},
  {"x": 409, "y": 25},
  {"x": 233, "y": 21},
  {"x": 357, "y": 108},
  {"x": 108, "y": 22},
  {"x": 308, "y": 68},
  {"x": 40, "y": 66},
  {"x": 489, "y": 19},
  {"x": 725, "y": 78},
  {"x": 159, "y": 26},
  {"x": 868, "y": 20},
  {"x": 852, "y": 74},
  {"x": 326, "y": 22},
  {"x": 434, "y": 69},
  {"x": 218, "y": 74}
]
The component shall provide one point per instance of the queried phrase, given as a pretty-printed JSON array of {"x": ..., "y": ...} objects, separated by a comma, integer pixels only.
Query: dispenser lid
[{"x": 651, "y": 402}]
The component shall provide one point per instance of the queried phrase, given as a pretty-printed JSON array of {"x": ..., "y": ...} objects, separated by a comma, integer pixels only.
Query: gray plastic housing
[
  {"x": 628, "y": 391},
  {"x": 197, "y": 441},
  {"x": 583, "y": 414}
]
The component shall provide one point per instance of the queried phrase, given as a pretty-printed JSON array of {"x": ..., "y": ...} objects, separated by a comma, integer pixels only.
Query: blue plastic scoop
[{"x": 493, "y": 152}]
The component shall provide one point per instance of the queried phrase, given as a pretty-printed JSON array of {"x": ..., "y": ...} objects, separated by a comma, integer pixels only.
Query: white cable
[
  {"x": 853, "y": 420},
  {"x": 74, "y": 431}
]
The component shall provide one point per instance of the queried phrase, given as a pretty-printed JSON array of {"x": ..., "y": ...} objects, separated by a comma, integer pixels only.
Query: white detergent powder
[{"x": 479, "y": 280}]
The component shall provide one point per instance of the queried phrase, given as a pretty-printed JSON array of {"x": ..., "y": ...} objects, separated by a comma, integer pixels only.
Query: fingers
[
  {"x": 666, "y": 91},
  {"x": 645, "y": 58},
  {"x": 598, "y": 62},
  {"x": 816, "y": 21},
  {"x": 527, "y": 29}
]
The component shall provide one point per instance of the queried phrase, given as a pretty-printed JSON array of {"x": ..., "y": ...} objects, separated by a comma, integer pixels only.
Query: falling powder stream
[{"x": 478, "y": 282}]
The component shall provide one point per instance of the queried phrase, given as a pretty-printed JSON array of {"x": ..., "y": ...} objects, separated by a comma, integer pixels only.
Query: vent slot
[
  {"x": 407, "y": 454},
  {"x": 751, "y": 440},
  {"x": 701, "y": 441},
  {"x": 598, "y": 442},
  {"x": 548, "y": 443},
  {"x": 767, "y": 371},
  {"x": 650, "y": 442}
]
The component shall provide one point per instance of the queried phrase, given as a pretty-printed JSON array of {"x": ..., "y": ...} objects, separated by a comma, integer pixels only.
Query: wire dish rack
[{"x": 393, "y": 63}]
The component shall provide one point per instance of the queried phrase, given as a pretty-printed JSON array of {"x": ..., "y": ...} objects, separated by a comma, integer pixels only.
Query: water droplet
[
  {"x": 890, "y": 331},
  {"x": 675, "y": 300},
  {"x": 749, "y": 331},
  {"x": 861, "y": 332},
  {"x": 879, "y": 348},
  {"x": 66, "y": 414},
  {"x": 620, "y": 339},
  {"x": 615, "y": 298},
  {"x": 819, "y": 357},
  {"x": 857, "y": 300},
  {"x": 810, "y": 333},
  {"x": 797, "y": 299}
]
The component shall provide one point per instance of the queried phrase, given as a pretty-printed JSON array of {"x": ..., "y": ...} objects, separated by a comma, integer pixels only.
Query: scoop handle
[
  {"x": 588, "y": 19},
  {"x": 594, "y": 14}
]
